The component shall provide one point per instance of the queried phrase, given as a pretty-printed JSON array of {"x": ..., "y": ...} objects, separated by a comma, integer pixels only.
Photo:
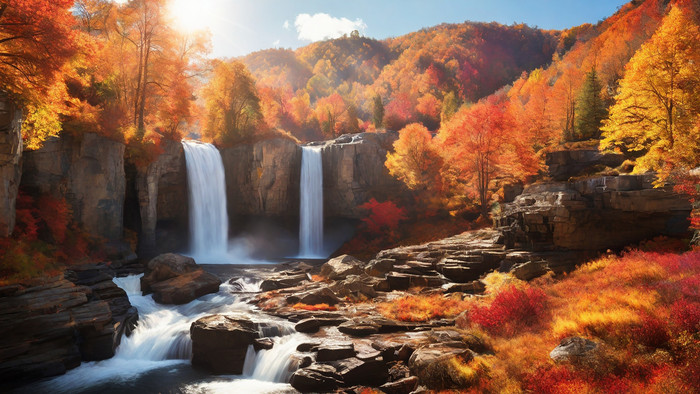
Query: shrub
[
  {"x": 315, "y": 307},
  {"x": 422, "y": 308},
  {"x": 510, "y": 310},
  {"x": 651, "y": 331},
  {"x": 685, "y": 315}
]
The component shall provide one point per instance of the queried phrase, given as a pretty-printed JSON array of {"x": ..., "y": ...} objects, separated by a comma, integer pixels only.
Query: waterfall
[
  {"x": 311, "y": 203},
  {"x": 207, "y": 185}
]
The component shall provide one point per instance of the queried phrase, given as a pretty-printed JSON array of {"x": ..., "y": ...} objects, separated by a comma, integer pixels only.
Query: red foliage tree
[{"x": 382, "y": 216}]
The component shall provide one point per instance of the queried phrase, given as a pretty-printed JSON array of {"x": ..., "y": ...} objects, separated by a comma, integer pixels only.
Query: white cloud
[
  {"x": 276, "y": 44},
  {"x": 286, "y": 25},
  {"x": 323, "y": 26}
]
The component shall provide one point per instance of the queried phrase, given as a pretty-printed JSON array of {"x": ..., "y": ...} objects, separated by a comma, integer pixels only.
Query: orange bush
[
  {"x": 315, "y": 307},
  {"x": 422, "y": 308}
]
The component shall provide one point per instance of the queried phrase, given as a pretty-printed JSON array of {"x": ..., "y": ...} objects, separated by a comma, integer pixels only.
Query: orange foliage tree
[{"x": 416, "y": 159}]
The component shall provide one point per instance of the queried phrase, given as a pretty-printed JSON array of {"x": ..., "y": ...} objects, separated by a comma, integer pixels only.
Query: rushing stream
[{"x": 156, "y": 357}]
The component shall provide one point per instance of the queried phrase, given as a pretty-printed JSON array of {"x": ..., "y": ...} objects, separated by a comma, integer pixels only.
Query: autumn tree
[
  {"x": 416, "y": 159},
  {"x": 656, "y": 110},
  {"x": 450, "y": 105},
  {"x": 232, "y": 104},
  {"x": 590, "y": 108},
  {"x": 377, "y": 111},
  {"x": 331, "y": 113},
  {"x": 479, "y": 144}
]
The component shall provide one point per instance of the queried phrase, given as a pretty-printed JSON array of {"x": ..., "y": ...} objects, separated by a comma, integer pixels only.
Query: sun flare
[{"x": 191, "y": 15}]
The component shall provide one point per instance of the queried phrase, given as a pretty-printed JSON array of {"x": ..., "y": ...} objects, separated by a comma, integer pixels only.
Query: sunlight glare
[{"x": 191, "y": 15}]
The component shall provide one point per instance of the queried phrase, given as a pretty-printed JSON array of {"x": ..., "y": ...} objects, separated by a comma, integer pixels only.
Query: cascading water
[
  {"x": 207, "y": 185},
  {"x": 156, "y": 355},
  {"x": 311, "y": 203}
]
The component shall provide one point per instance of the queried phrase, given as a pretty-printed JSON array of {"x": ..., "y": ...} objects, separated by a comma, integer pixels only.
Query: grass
[{"x": 420, "y": 308}]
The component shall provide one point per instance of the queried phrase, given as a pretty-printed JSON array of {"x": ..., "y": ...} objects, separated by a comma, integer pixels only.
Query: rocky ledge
[{"x": 50, "y": 325}]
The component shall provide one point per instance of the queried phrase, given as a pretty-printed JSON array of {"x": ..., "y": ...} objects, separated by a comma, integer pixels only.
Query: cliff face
[
  {"x": 593, "y": 214},
  {"x": 10, "y": 165},
  {"x": 163, "y": 201},
  {"x": 89, "y": 173},
  {"x": 354, "y": 172},
  {"x": 263, "y": 178}
]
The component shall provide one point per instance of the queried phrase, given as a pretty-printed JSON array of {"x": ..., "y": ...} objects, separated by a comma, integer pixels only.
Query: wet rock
[
  {"x": 530, "y": 270},
  {"x": 313, "y": 324},
  {"x": 401, "y": 386},
  {"x": 220, "y": 343},
  {"x": 185, "y": 288},
  {"x": 355, "y": 371},
  {"x": 308, "y": 347},
  {"x": 431, "y": 364},
  {"x": 316, "y": 378},
  {"x": 321, "y": 295},
  {"x": 342, "y": 266},
  {"x": 283, "y": 281},
  {"x": 333, "y": 352},
  {"x": 166, "y": 266},
  {"x": 263, "y": 343},
  {"x": 359, "y": 327},
  {"x": 573, "y": 349}
]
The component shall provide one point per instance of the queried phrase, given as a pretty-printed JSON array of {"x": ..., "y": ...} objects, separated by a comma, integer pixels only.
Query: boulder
[
  {"x": 220, "y": 343},
  {"x": 313, "y": 324},
  {"x": 359, "y": 286},
  {"x": 355, "y": 371},
  {"x": 177, "y": 279},
  {"x": 342, "y": 266},
  {"x": 316, "y": 378},
  {"x": 401, "y": 386},
  {"x": 321, "y": 295},
  {"x": 10, "y": 161},
  {"x": 283, "y": 280},
  {"x": 263, "y": 343},
  {"x": 335, "y": 351},
  {"x": 185, "y": 288},
  {"x": 530, "y": 270},
  {"x": 574, "y": 349},
  {"x": 432, "y": 365},
  {"x": 359, "y": 327},
  {"x": 474, "y": 287},
  {"x": 379, "y": 267}
]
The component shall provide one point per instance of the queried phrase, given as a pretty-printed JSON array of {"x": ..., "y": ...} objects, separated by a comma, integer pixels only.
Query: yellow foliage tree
[
  {"x": 657, "y": 108},
  {"x": 416, "y": 160}
]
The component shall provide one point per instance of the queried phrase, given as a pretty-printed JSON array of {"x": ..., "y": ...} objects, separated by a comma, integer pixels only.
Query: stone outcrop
[
  {"x": 593, "y": 214},
  {"x": 10, "y": 164},
  {"x": 354, "y": 172},
  {"x": 177, "y": 279},
  {"x": 163, "y": 201},
  {"x": 50, "y": 325},
  {"x": 565, "y": 164},
  {"x": 88, "y": 171},
  {"x": 263, "y": 178}
]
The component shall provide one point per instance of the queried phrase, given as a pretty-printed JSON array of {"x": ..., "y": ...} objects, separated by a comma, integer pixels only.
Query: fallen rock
[
  {"x": 432, "y": 365},
  {"x": 573, "y": 349},
  {"x": 220, "y": 343},
  {"x": 342, "y": 266},
  {"x": 355, "y": 371},
  {"x": 401, "y": 386},
  {"x": 316, "y": 378},
  {"x": 333, "y": 352},
  {"x": 359, "y": 327},
  {"x": 321, "y": 295},
  {"x": 530, "y": 270},
  {"x": 185, "y": 288}
]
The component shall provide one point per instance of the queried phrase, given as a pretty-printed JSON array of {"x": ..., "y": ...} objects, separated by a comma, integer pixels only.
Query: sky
[{"x": 239, "y": 27}]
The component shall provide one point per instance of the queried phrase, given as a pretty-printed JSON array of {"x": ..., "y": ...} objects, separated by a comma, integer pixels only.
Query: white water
[
  {"x": 161, "y": 340},
  {"x": 311, "y": 203},
  {"x": 207, "y": 189}
]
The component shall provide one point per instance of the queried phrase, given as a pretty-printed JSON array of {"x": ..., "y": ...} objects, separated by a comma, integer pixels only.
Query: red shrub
[
  {"x": 685, "y": 315},
  {"x": 512, "y": 308},
  {"x": 553, "y": 380},
  {"x": 56, "y": 215},
  {"x": 383, "y": 216},
  {"x": 651, "y": 332}
]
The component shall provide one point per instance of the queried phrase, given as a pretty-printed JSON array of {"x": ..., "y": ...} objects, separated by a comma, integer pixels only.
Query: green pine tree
[
  {"x": 591, "y": 109},
  {"x": 377, "y": 112}
]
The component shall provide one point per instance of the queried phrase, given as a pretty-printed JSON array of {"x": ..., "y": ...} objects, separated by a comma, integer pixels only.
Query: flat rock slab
[
  {"x": 185, "y": 288},
  {"x": 333, "y": 352}
]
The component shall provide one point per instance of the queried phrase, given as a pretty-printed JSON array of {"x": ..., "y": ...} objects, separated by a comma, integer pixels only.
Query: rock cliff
[
  {"x": 163, "y": 201},
  {"x": 593, "y": 214},
  {"x": 10, "y": 165},
  {"x": 89, "y": 173}
]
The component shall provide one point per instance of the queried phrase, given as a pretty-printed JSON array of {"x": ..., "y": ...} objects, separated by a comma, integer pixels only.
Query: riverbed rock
[
  {"x": 335, "y": 351},
  {"x": 359, "y": 327},
  {"x": 431, "y": 364},
  {"x": 314, "y": 296},
  {"x": 283, "y": 280},
  {"x": 355, "y": 371},
  {"x": 88, "y": 171},
  {"x": 313, "y": 324},
  {"x": 342, "y": 266},
  {"x": 316, "y": 378},
  {"x": 220, "y": 343},
  {"x": 177, "y": 279},
  {"x": 10, "y": 161}
]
